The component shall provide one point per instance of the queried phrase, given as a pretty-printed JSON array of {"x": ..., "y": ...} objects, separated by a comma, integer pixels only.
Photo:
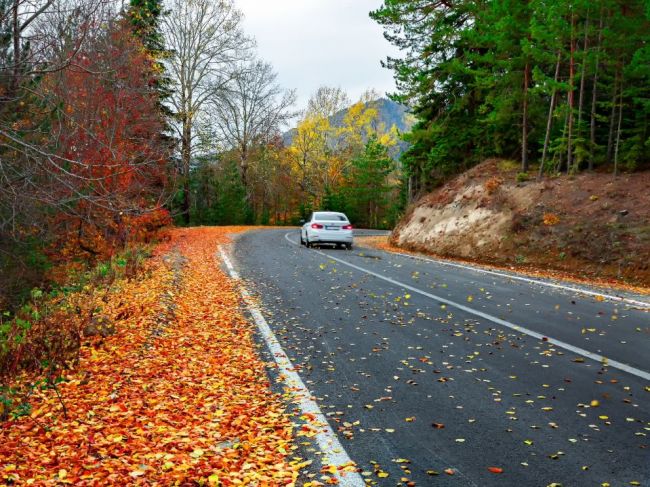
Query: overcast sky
[{"x": 320, "y": 42}]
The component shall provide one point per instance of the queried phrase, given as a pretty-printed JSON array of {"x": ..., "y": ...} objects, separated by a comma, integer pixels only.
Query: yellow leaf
[{"x": 197, "y": 453}]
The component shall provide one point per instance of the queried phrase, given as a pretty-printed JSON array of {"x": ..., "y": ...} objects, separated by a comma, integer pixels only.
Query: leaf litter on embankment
[{"x": 177, "y": 396}]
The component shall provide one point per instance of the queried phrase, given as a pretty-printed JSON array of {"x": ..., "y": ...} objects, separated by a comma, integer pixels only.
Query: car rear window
[{"x": 337, "y": 217}]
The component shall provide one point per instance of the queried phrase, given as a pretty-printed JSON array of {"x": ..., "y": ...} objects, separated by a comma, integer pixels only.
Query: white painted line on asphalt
[
  {"x": 558, "y": 343},
  {"x": 588, "y": 292},
  {"x": 328, "y": 442},
  {"x": 610, "y": 297}
]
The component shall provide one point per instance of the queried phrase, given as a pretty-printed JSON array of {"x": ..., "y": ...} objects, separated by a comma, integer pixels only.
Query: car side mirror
[{"x": 302, "y": 222}]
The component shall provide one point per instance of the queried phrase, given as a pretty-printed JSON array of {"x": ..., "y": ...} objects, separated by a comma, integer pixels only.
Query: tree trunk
[
  {"x": 583, "y": 73},
  {"x": 594, "y": 98},
  {"x": 243, "y": 161},
  {"x": 618, "y": 131},
  {"x": 186, "y": 153},
  {"x": 16, "y": 39},
  {"x": 569, "y": 161},
  {"x": 560, "y": 163},
  {"x": 612, "y": 121},
  {"x": 549, "y": 121},
  {"x": 524, "y": 130}
]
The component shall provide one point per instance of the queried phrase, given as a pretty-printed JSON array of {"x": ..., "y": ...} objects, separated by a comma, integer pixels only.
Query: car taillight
[
  {"x": 316, "y": 225},
  {"x": 347, "y": 227}
]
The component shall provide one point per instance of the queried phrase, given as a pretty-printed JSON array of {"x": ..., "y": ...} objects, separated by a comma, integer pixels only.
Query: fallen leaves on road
[
  {"x": 177, "y": 396},
  {"x": 383, "y": 243}
]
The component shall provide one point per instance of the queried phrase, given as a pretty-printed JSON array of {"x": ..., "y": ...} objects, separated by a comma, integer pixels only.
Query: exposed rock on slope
[{"x": 589, "y": 225}]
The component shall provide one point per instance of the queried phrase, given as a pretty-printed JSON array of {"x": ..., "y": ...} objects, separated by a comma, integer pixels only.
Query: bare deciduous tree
[
  {"x": 41, "y": 38},
  {"x": 327, "y": 101},
  {"x": 251, "y": 109},
  {"x": 206, "y": 41}
]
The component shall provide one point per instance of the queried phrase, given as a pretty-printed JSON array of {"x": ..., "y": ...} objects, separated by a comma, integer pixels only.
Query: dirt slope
[{"x": 590, "y": 225}]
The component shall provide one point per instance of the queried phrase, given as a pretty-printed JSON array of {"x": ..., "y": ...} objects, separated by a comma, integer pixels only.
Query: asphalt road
[{"x": 421, "y": 368}]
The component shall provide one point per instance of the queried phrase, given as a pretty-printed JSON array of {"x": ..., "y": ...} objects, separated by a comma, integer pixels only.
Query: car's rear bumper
[{"x": 331, "y": 237}]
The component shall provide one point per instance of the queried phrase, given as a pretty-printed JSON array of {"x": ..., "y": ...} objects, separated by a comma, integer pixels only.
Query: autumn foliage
[
  {"x": 174, "y": 393},
  {"x": 110, "y": 145},
  {"x": 86, "y": 155}
]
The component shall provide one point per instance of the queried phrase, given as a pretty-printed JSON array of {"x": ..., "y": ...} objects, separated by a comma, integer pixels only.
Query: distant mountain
[{"x": 390, "y": 113}]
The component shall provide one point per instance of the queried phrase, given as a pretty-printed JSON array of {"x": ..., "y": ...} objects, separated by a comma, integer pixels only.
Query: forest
[
  {"x": 560, "y": 85},
  {"x": 119, "y": 119}
]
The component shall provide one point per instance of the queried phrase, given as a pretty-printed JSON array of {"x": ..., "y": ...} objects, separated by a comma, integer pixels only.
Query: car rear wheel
[{"x": 348, "y": 246}]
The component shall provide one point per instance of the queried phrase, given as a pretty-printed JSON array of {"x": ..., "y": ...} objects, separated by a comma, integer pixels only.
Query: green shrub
[{"x": 522, "y": 177}]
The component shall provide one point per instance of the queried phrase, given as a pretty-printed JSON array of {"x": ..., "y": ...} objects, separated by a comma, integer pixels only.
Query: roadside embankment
[{"x": 590, "y": 226}]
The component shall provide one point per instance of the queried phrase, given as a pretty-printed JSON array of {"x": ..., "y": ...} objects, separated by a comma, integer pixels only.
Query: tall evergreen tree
[
  {"x": 368, "y": 189},
  {"x": 145, "y": 17},
  {"x": 564, "y": 82}
]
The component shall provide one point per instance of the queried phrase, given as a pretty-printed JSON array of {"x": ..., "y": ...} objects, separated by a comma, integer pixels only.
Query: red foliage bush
[{"x": 113, "y": 157}]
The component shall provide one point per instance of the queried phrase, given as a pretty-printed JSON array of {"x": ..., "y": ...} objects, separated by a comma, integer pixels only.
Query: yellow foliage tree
[{"x": 322, "y": 150}]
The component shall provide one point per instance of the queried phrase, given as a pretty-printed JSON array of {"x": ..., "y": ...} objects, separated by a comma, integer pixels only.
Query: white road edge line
[
  {"x": 327, "y": 440},
  {"x": 579, "y": 351},
  {"x": 610, "y": 297}
]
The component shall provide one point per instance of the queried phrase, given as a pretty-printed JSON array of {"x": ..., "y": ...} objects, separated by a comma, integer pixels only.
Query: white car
[{"x": 326, "y": 227}]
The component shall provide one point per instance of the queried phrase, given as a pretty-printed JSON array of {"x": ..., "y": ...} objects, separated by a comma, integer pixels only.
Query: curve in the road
[{"x": 559, "y": 343}]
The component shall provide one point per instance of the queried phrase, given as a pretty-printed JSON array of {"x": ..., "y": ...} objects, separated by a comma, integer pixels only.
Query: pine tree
[
  {"x": 145, "y": 18},
  {"x": 368, "y": 189},
  {"x": 545, "y": 79}
]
